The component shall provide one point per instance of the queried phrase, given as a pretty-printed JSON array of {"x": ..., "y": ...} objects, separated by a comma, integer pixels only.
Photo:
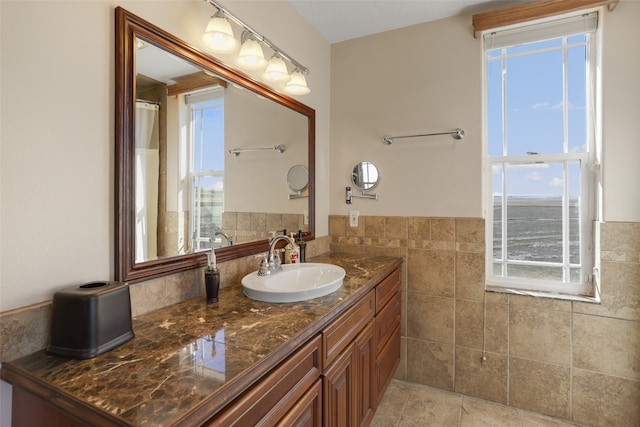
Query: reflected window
[{"x": 206, "y": 170}]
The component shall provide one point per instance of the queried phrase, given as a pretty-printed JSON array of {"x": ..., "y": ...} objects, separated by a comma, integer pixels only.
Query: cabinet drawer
[
  {"x": 308, "y": 411},
  {"x": 387, "y": 363},
  {"x": 386, "y": 321},
  {"x": 337, "y": 336},
  {"x": 385, "y": 290},
  {"x": 276, "y": 393}
]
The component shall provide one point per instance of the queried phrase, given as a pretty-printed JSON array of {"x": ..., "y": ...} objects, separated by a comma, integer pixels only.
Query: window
[
  {"x": 206, "y": 170},
  {"x": 540, "y": 157}
]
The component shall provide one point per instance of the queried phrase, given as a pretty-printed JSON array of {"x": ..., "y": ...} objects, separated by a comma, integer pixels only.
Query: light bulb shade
[
  {"x": 251, "y": 56},
  {"x": 218, "y": 36},
  {"x": 297, "y": 85},
  {"x": 276, "y": 71}
]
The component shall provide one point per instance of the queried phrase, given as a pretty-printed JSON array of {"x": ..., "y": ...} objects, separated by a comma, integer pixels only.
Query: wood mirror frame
[{"x": 128, "y": 27}]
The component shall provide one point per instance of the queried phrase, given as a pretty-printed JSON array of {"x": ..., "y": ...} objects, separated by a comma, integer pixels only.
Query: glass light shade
[
  {"x": 251, "y": 56},
  {"x": 218, "y": 36},
  {"x": 276, "y": 71},
  {"x": 297, "y": 85}
]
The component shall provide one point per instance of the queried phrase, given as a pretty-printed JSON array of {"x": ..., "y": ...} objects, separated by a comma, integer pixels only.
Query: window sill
[{"x": 540, "y": 294}]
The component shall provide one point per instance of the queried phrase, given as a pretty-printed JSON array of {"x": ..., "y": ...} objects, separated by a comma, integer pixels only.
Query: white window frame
[
  {"x": 530, "y": 32},
  {"x": 192, "y": 100}
]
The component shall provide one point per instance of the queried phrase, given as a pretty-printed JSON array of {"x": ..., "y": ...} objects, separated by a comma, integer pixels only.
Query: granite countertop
[{"x": 187, "y": 361}]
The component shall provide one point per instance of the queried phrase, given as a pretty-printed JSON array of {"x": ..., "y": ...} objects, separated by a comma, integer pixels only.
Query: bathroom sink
[{"x": 296, "y": 282}]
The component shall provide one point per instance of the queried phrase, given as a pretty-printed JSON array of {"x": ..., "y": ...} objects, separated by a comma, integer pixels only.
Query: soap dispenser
[
  {"x": 302, "y": 245},
  {"x": 292, "y": 252}
]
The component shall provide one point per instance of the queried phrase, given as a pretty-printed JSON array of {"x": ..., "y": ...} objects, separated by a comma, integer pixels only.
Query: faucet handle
[{"x": 264, "y": 269}]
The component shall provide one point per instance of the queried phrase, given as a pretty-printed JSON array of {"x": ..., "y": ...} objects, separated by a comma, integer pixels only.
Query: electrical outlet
[
  {"x": 353, "y": 218},
  {"x": 305, "y": 216}
]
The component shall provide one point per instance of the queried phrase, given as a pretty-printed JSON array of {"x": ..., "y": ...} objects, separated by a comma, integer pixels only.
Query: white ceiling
[{"x": 340, "y": 20}]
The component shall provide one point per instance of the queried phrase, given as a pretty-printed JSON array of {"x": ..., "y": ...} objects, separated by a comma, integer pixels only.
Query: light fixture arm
[{"x": 258, "y": 36}]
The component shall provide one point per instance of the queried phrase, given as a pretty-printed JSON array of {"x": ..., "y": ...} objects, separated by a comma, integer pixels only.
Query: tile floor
[{"x": 408, "y": 405}]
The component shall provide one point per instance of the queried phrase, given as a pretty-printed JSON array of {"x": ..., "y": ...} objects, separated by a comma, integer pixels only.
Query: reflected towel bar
[
  {"x": 236, "y": 151},
  {"x": 456, "y": 134}
]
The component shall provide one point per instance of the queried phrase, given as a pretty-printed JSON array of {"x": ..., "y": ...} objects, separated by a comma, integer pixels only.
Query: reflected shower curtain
[{"x": 147, "y": 164}]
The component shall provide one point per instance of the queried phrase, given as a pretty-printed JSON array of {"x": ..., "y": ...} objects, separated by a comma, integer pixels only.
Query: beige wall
[
  {"x": 57, "y": 129},
  {"x": 57, "y": 167},
  {"x": 576, "y": 361},
  {"x": 428, "y": 78}
]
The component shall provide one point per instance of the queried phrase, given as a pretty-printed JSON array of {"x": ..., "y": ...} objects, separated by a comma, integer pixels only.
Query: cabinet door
[
  {"x": 365, "y": 366},
  {"x": 340, "y": 399},
  {"x": 307, "y": 412}
]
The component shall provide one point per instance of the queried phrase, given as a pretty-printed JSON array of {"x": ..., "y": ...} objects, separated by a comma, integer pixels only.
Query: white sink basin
[{"x": 296, "y": 282}]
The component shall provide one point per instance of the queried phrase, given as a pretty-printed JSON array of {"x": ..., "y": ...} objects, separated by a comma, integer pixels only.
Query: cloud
[
  {"x": 556, "y": 182},
  {"x": 534, "y": 176},
  {"x": 540, "y": 105}
]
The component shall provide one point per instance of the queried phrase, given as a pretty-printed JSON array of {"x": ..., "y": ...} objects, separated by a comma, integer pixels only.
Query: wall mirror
[
  {"x": 180, "y": 116},
  {"x": 365, "y": 176}
]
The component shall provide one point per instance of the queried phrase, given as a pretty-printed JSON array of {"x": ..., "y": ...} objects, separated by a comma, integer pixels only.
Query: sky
[{"x": 534, "y": 111}]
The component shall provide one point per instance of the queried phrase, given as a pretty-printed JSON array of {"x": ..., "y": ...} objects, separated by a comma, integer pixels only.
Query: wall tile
[
  {"x": 373, "y": 226},
  {"x": 430, "y": 318},
  {"x": 470, "y": 230},
  {"x": 181, "y": 286},
  {"x": 609, "y": 346},
  {"x": 401, "y": 371},
  {"x": 443, "y": 229},
  {"x": 431, "y": 272},
  {"x": 337, "y": 225},
  {"x": 354, "y": 231},
  {"x": 605, "y": 401},
  {"x": 541, "y": 303},
  {"x": 469, "y": 327},
  {"x": 24, "y": 330},
  {"x": 419, "y": 228},
  {"x": 539, "y": 387},
  {"x": 621, "y": 237},
  {"x": 396, "y": 228},
  {"x": 620, "y": 292},
  {"x": 147, "y": 296},
  {"x": 469, "y": 275},
  {"x": 430, "y": 363},
  {"x": 538, "y": 334},
  {"x": 487, "y": 381}
]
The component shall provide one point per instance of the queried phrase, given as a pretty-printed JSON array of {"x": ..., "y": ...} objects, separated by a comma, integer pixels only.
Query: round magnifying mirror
[
  {"x": 298, "y": 178},
  {"x": 365, "y": 176}
]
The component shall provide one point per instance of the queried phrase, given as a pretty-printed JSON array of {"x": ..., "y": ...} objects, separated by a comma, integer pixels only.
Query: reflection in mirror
[
  {"x": 297, "y": 178},
  {"x": 364, "y": 176},
  {"x": 178, "y": 190}
]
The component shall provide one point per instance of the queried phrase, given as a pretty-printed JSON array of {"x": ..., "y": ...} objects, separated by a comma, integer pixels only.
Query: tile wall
[{"x": 577, "y": 361}]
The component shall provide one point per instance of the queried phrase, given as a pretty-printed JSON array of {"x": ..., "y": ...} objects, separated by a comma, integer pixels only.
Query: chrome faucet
[
  {"x": 271, "y": 261},
  {"x": 224, "y": 235}
]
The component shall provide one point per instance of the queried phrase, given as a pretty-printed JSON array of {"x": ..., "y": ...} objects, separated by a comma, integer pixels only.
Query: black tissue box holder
[{"x": 90, "y": 319}]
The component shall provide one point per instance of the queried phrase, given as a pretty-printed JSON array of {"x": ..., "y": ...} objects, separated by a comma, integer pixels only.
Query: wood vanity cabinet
[
  {"x": 353, "y": 360},
  {"x": 336, "y": 378},
  {"x": 362, "y": 351}
]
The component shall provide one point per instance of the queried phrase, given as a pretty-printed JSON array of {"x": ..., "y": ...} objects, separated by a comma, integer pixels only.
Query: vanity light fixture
[
  {"x": 298, "y": 84},
  {"x": 218, "y": 36},
  {"x": 251, "y": 55},
  {"x": 276, "y": 70}
]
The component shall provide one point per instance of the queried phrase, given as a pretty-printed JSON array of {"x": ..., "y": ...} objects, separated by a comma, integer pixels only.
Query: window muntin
[{"x": 538, "y": 145}]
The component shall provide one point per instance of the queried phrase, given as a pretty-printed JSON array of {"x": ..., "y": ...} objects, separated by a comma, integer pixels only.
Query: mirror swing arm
[
  {"x": 128, "y": 28},
  {"x": 349, "y": 195}
]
